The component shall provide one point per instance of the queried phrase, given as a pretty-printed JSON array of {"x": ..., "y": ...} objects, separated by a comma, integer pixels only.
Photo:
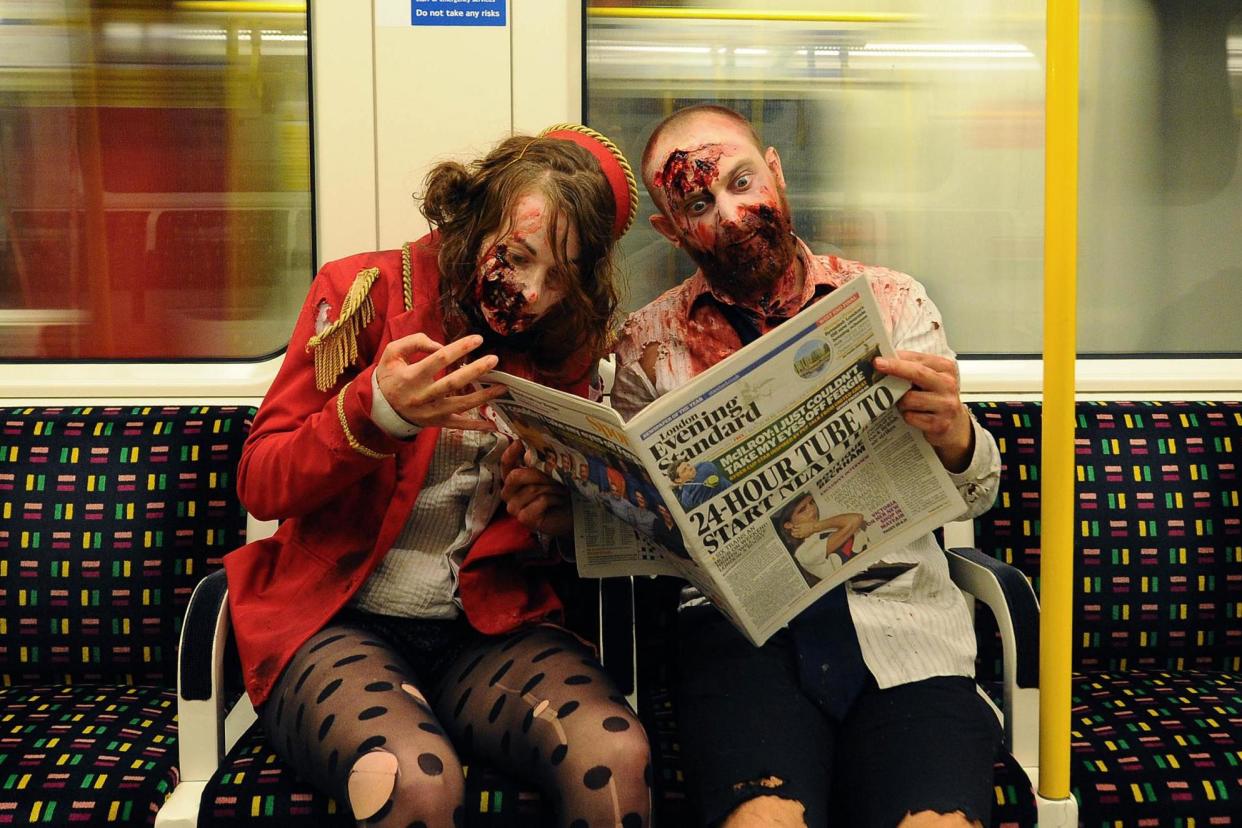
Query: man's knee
[
  {"x": 767, "y": 812},
  {"x": 932, "y": 819}
]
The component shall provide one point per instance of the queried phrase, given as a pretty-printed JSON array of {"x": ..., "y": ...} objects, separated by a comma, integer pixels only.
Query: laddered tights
[{"x": 350, "y": 715}]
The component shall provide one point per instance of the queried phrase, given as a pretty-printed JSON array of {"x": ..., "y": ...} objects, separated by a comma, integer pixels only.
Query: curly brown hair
[{"x": 466, "y": 203}]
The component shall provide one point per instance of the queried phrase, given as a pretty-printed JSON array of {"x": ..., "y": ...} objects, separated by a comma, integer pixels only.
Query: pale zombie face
[
  {"x": 518, "y": 279},
  {"x": 730, "y": 212}
]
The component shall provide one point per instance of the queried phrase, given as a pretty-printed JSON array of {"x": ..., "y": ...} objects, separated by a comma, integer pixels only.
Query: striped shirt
[
  {"x": 917, "y": 625},
  {"x": 418, "y": 576}
]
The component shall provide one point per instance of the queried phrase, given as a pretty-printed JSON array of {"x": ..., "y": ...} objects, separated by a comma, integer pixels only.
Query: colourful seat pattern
[
  {"x": 86, "y": 755},
  {"x": 108, "y": 518},
  {"x": 1157, "y": 733},
  {"x": 254, "y": 787}
]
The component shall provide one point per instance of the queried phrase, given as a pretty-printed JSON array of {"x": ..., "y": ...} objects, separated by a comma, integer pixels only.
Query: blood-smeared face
[
  {"x": 518, "y": 279},
  {"x": 730, "y": 213}
]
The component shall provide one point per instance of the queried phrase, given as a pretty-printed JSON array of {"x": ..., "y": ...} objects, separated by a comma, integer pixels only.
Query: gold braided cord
[
  {"x": 616, "y": 153},
  {"x": 336, "y": 346},
  {"x": 349, "y": 435},
  {"x": 407, "y": 286}
]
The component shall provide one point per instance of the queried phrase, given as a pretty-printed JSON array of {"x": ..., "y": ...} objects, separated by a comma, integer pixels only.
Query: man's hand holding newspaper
[{"x": 783, "y": 471}]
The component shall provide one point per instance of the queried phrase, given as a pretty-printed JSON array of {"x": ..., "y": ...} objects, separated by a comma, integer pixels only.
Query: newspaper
[{"x": 776, "y": 475}]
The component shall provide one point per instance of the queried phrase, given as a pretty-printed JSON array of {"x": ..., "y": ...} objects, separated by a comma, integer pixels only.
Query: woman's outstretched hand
[{"x": 413, "y": 391}]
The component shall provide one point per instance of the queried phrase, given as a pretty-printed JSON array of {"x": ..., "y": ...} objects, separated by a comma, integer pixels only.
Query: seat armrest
[
  {"x": 206, "y": 728},
  {"x": 1008, "y": 594},
  {"x": 617, "y": 649},
  {"x": 205, "y": 616}
]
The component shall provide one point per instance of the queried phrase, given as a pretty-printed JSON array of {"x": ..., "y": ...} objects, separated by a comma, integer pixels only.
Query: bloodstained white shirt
[{"x": 916, "y": 626}]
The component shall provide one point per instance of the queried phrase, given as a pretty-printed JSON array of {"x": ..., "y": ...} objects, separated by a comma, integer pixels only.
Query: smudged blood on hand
[{"x": 499, "y": 294}]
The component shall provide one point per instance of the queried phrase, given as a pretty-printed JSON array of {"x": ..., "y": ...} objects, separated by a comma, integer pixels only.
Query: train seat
[
  {"x": 1157, "y": 660},
  {"x": 232, "y": 777},
  {"x": 111, "y": 515}
]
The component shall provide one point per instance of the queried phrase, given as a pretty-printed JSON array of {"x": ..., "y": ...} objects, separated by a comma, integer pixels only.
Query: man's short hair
[{"x": 694, "y": 111}]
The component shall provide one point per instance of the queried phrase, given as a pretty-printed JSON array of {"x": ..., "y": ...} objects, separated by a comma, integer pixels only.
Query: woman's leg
[
  {"x": 346, "y": 714},
  {"x": 539, "y": 705}
]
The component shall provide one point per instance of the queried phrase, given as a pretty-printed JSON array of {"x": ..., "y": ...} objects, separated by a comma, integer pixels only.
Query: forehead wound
[
  {"x": 526, "y": 213},
  {"x": 687, "y": 170}
]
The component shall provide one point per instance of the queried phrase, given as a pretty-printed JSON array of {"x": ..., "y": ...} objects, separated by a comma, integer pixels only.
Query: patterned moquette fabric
[
  {"x": 110, "y": 516},
  {"x": 1158, "y": 547},
  {"x": 1157, "y": 748},
  {"x": 253, "y": 787},
  {"x": 1157, "y": 698},
  {"x": 98, "y": 755}
]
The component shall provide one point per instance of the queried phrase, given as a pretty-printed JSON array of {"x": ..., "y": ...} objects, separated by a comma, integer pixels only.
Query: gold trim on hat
[{"x": 616, "y": 153}]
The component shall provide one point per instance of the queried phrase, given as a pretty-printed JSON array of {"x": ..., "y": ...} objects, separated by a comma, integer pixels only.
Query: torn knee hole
[
  {"x": 371, "y": 781},
  {"x": 768, "y": 782}
]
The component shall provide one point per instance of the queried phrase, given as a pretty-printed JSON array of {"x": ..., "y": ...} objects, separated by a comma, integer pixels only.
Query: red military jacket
[{"x": 342, "y": 486}]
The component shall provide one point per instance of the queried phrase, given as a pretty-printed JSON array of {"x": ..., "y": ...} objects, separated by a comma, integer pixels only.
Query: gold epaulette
[{"x": 336, "y": 346}]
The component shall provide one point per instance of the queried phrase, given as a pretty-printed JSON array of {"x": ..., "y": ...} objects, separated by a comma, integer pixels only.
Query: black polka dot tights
[{"x": 349, "y": 714}]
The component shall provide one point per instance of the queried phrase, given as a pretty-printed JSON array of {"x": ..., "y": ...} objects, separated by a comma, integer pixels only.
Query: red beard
[{"x": 750, "y": 255}]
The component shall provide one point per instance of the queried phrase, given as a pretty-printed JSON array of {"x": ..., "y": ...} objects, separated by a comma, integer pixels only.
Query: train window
[
  {"x": 1160, "y": 250},
  {"x": 154, "y": 179},
  {"x": 912, "y": 136}
]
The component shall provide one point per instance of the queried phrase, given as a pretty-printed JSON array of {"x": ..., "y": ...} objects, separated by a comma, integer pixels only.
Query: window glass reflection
[
  {"x": 911, "y": 135},
  {"x": 154, "y": 179}
]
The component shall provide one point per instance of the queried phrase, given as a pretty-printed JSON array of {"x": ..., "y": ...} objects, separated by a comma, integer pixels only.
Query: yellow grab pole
[{"x": 1057, "y": 501}]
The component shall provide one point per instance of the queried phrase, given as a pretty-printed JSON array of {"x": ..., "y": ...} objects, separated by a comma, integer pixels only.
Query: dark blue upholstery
[
  {"x": 1158, "y": 592},
  {"x": 111, "y": 515}
]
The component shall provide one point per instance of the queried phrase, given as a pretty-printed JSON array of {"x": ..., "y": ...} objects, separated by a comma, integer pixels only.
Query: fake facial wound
[
  {"x": 731, "y": 215},
  {"x": 517, "y": 280}
]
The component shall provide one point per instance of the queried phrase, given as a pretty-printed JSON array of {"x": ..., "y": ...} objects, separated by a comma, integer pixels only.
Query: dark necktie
[{"x": 830, "y": 662}]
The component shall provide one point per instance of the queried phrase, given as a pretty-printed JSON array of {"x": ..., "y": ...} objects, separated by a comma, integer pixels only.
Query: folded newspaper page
[{"x": 774, "y": 476}]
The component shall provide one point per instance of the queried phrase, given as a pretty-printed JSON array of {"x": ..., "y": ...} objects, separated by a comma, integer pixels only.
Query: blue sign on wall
[{"x": 457, "y": 12}]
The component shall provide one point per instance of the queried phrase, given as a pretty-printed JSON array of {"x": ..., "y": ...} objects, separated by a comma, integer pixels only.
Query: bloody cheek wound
[{"x": 500, "y": 295}]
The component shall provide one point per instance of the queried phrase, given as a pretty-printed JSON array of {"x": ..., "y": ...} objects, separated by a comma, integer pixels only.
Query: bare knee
[
  {"x": 767, "y": 812},
  {"x": 419, "y": 786},
  {"x": 932, "y": 819}
]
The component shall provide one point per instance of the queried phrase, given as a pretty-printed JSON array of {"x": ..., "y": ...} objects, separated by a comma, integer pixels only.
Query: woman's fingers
[
  {"x": 438, "y": 356},
  {"x": 408, "y": 347},
  {"x": 462, "y": 377},
  {"x": 549, "y": 514},
  {"x": 408, "y": 379},
  {"x": 524, "y": 484}
]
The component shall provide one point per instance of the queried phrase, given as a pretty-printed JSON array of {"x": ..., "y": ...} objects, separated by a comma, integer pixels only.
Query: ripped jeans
[{"x": 749, "y": 728}]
